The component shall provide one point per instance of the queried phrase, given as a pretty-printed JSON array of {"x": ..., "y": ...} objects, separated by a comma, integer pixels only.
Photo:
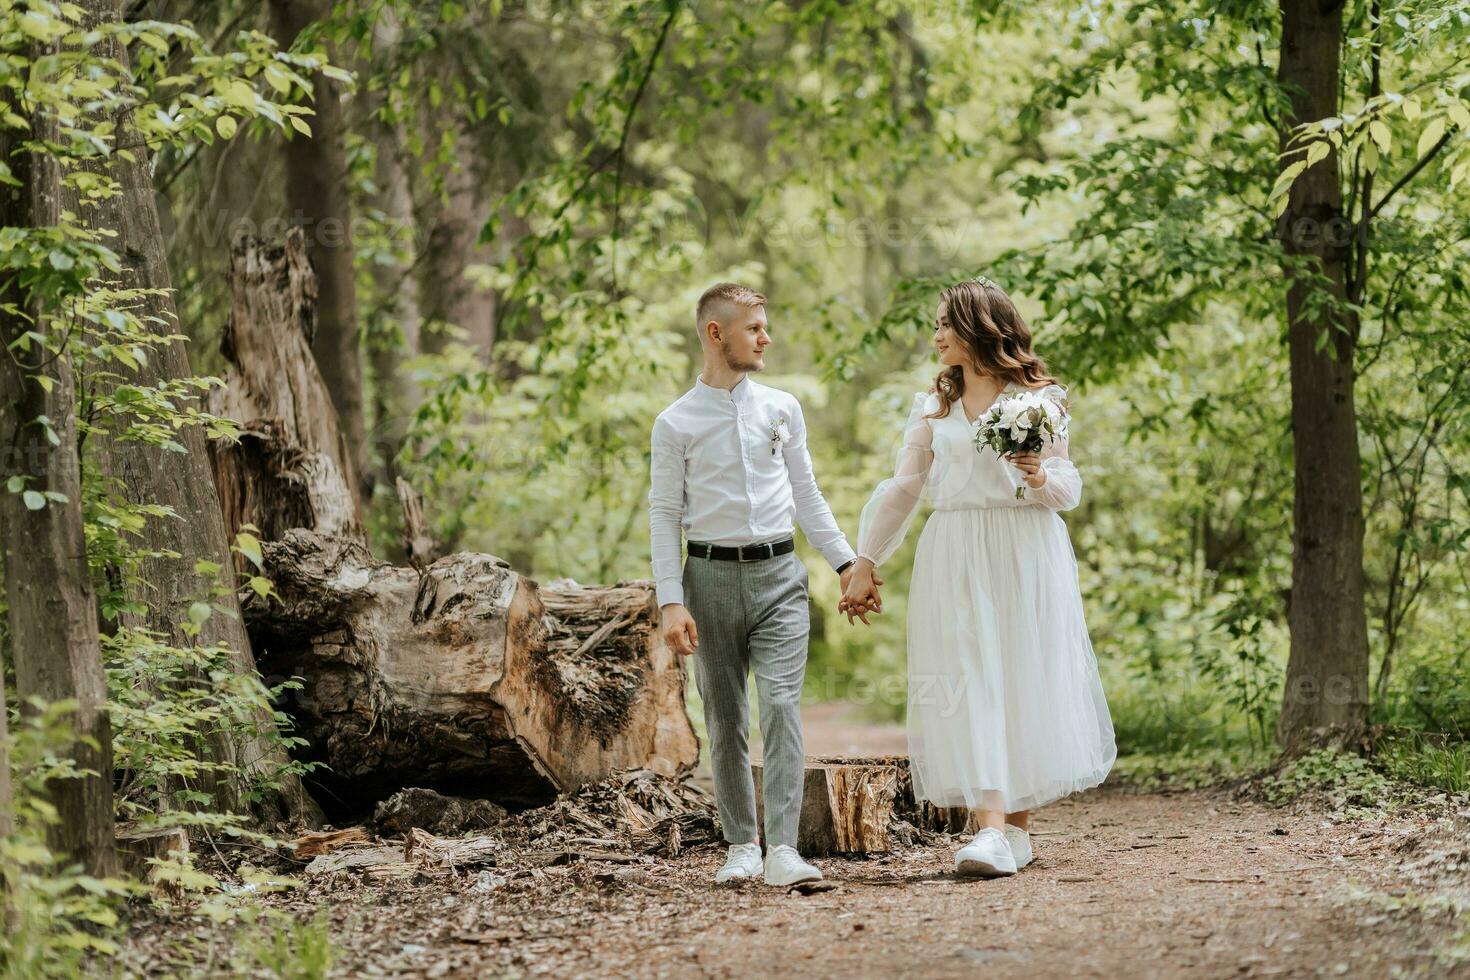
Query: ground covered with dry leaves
[{"x": 1195, "y": 883}]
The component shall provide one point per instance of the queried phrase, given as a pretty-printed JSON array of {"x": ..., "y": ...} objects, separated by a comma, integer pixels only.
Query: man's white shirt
[{"x": 732, "y": 468}]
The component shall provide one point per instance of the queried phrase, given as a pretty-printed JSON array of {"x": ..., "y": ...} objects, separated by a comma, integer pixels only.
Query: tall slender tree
[
  {"x": 1327, "y": 673},
  {"x": 317, "y": 194},
  {"x": 48, "y": 587}
]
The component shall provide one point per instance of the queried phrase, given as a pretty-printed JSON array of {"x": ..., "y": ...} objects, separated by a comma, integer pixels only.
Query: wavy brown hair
[{"x": 993, "y": 334}]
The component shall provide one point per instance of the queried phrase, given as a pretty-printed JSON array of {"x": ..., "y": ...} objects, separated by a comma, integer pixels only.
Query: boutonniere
[{"x": 780, "y": 434}]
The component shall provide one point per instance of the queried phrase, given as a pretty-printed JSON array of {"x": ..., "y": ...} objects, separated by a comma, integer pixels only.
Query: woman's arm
[
  {"x": 891, "y": 507},
  {"x": 1063, "y": 487}
]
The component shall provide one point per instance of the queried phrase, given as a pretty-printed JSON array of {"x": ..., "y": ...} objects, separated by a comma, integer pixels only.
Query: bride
[{"x": 1005, "y": 707}]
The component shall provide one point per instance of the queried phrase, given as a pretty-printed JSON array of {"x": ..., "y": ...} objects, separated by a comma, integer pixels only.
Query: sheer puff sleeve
[
  {"x": 890, "y": 510},
  {"x": 1063, "y": 487}
]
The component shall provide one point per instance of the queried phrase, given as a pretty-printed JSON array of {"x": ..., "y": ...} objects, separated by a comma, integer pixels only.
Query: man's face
[{"x": 743, "y": 340}]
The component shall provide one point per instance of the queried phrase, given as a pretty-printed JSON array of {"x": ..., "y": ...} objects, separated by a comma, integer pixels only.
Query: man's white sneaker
[
  {"x": 743, "y": 861},
  {"x": 785, "y": 867},
  {"x": 1020, "y": 842},
  {"x": 987, "y": 856}
]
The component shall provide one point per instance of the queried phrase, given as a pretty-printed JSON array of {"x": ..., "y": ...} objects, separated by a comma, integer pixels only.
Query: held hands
[
  {"x": 1030, "y": 466},
  {"x": 679, "y": 630},
  {"x": 860, "y": 592}
]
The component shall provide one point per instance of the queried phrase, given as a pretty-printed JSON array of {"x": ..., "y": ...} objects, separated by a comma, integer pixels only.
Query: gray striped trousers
[{"x": 752, "y": 615}]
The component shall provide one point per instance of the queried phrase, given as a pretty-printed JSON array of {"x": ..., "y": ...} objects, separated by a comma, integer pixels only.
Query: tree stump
[
  {"x": 470, "y": 679},
  {"x": 138, "y": 849},
  {"x": 291, "y": 466},
  {"x": 848, "y": 805}
]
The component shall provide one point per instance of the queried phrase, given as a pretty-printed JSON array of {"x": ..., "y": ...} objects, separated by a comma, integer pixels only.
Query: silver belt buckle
[{"x": 769, "y": 548}]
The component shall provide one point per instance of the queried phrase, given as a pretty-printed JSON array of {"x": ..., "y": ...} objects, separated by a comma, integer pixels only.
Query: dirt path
[
  {"x": 1123, "y": 885},
  {"x": 1194, "y": 884}
]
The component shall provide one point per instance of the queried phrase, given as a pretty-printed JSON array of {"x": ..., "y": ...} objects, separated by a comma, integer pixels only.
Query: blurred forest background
[{"x": 1246, "y": 259}]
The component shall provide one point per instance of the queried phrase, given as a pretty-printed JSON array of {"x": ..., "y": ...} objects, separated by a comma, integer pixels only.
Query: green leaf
[
  {"x": 1431, "y": 135},
  {"x": 1411, "y": 108},
  {"x": 225, "y": 126},
  {"x": 249, "y": 546},
  {"x": 1378, "y": 130},
  {"x": 1317, "y": 152},
  {"x": 199, "y": 613},
  {"x": 34, "y": 499},
  {"x": 1283, "y": 182}
]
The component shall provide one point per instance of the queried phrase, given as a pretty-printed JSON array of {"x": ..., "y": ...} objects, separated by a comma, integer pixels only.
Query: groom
[{"x": 730, "y": 468}]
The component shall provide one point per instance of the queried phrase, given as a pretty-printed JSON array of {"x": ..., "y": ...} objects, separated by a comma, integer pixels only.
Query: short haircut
[{"x": 724, "y": 294}]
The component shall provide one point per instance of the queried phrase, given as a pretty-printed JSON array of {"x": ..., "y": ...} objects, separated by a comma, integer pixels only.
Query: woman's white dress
[{"x": 1005, "y": 706}]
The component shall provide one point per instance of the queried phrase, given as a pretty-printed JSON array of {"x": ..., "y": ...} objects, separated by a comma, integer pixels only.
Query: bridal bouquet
[{"x": 1022, "y": 422}]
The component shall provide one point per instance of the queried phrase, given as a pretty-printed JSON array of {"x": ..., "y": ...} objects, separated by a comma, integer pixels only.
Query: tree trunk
[
  {"x": 448, "y": 297},
  {"x": 48, "y": 587},
  {"x": 469, "y": 679},
  {"x": 393, "y": 324},
  {"x": 182, "y": 481},
  {"x": 1326, "y": 695},
  {"x": 316, "y": 192}
]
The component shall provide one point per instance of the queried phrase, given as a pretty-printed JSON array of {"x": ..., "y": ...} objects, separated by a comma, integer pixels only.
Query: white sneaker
[
  {"x": 785, "y": 867},
  {"x": 987, "y": 856},
  {"x": 743, "y": 861},
  {"x": 1020, "y": 842}
]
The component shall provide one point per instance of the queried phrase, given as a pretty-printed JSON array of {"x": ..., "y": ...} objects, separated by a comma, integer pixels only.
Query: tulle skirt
[{"x": 1006, "y": 709}]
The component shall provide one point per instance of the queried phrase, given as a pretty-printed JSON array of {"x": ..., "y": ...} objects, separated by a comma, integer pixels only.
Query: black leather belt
[{"x": 743, "y": 552}]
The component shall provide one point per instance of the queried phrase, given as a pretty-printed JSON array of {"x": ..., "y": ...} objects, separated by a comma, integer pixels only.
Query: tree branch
[
  {"x": 1423, "y": 162},
  {"x": 663, "y": 35}
]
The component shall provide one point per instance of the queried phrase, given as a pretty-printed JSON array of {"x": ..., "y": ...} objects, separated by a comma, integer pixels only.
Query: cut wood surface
[
  {"x": 852, "y": 805},
  {"x": 469, "y": 679}
]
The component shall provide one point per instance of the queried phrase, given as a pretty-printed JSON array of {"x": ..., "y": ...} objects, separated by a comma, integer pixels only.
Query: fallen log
[
  {"x": 470, "y": 679},
  {"x": 457, "y": 675}
]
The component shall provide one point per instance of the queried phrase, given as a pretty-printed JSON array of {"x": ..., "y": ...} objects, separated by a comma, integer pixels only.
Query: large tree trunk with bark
[
  {"x": 1326, "y": 695},
  {"x": 316, "y": 191},
  {"x": 469, "y": 678},
  {"x": 181, "y": 480},
  {"x": 51, "y": 608}
]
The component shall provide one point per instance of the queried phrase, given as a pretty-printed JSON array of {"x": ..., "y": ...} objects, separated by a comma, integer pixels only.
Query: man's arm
[
  {"x": 812, "y": 512},
  {"x": 666, "y": 512}
]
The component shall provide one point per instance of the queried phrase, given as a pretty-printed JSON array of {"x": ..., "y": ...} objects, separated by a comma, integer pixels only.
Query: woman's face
[{"x": 946, "y": 342}]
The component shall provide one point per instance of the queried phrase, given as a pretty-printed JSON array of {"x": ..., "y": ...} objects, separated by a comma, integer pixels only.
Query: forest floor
[{"x": 1126, "y": 883}]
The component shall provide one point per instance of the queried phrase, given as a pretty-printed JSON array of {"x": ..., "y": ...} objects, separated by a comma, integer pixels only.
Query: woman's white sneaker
[
  {"x": 785, "y": 867},
  {"x": 743, "y": 861},
  {"x": 987, "y": 856},
  {"x": 1020, "y": 842}
]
